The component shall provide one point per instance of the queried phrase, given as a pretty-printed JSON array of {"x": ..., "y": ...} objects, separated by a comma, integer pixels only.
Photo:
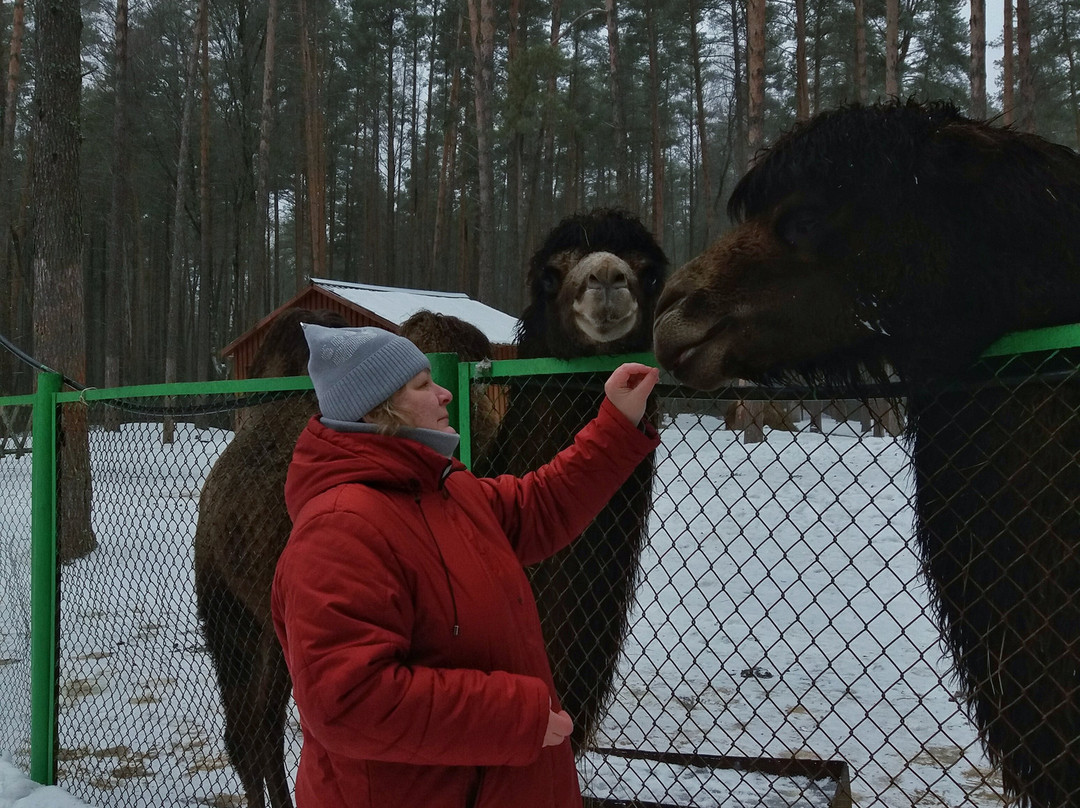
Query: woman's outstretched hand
[
  {"x": 559, "y": 727},
  {"x": 629, "y": 386}
]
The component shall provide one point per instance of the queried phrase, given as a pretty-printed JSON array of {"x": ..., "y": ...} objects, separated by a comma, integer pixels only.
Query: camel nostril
[{"x": 607, "y": 278}]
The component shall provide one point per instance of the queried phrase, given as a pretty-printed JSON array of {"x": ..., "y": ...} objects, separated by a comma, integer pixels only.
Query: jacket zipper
[{"x": 456, "y": 630}]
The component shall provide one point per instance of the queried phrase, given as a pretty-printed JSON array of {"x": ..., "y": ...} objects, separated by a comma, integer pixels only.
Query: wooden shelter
[{"x": 383, "y": 306}]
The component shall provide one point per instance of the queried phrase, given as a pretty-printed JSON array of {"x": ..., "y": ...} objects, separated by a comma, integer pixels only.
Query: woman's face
[{"x": 422, "y": 403}]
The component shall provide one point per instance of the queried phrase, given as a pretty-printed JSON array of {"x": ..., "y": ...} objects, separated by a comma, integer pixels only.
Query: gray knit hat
[{"x": 354, "y": 370}]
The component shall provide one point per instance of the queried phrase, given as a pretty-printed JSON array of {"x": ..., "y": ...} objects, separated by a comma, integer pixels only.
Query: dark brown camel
[
  {"x": 906, "y": 238},
  {"x": 593, "y": 285}
]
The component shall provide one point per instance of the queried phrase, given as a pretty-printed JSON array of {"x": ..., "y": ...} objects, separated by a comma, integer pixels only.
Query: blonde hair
[{"x": 386, "y": 416}]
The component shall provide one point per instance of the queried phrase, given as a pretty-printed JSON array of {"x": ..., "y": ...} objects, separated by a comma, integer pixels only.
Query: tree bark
[
  {"x": 703, "y": 134},
  {"x": 802, "y": 89},
  {"x": 10, "y": 264},
  {"x": 389, "y": 256},
  {"x": 515, "y": 158},
  {"x": 755, "y": 62},
  {"x": 739, "y": 137},
  {"x": 59, "y": 314},
  {"x": 118, "y": 245},
  {"x": 178, "y": 258},
  {"x": 260, "y": 264},
  {"x": 1008, "y": 68},
  {"x": 541, "y": 198},
  {"x": 618, "y": 113},
  {"x": 656, "y": 141},
  {"x": 1070, "y": 56},
  {"x": 862, "y": 82},
  {"x": 892, "y": 48},
  {"x": 1026, "y": 110},
  {"x": 206, "y": 261},
  {"x": 447, "y": 163},
  {"x": 315, "y": 148},
  {"x": 482, "y": 29},
  {"x": 978, "y": 60}
]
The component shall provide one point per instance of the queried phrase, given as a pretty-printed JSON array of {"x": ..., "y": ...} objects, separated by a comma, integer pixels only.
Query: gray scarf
[{"x": 442, "y": 442}]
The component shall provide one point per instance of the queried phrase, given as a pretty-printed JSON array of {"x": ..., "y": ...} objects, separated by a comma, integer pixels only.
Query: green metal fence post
[
  {"x": 462, "y": 393},
  {"x": 43, "y": 583},
  {"x": 444, "y": 371}
]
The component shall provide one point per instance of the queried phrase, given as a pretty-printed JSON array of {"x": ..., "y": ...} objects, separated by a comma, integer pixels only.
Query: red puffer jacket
[{"x": 408, "y": 624}]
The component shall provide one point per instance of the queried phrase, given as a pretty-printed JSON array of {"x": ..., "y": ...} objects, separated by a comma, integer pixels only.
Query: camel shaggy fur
[
  {"x": 904, "y": 239},
  {"x": 593, "y": 285}
]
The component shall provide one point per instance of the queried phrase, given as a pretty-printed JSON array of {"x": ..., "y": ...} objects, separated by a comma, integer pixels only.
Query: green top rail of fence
[
  {"x": 1040, "y": 339},
  {"x": 1057, "y": 337}
]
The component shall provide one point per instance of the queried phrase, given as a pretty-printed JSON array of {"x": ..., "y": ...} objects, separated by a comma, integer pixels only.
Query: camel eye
[
  {"x": 800, "y": 228},
  {"x": 650, "y": 280},
  {"x": 549, "y": 281}
]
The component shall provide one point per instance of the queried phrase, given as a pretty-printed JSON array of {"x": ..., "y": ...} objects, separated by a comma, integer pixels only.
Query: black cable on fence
[{"x": 142, "y": 409}]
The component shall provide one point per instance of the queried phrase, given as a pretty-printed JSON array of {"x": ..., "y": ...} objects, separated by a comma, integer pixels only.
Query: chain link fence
[
  {"x": 15, "y": 508},
  {"x": 769, "y": 637}
]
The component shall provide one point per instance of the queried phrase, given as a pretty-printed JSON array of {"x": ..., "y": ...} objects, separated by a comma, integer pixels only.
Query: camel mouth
[
  {"x": 694, "y": 356},
  {"x": 607, "y": 329}
]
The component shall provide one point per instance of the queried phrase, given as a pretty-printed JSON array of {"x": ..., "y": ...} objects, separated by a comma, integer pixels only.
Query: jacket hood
[{"x": 325, "y": 458}]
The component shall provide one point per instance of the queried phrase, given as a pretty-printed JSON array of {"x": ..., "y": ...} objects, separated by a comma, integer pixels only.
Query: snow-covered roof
[{"x": 396, "y": 305}]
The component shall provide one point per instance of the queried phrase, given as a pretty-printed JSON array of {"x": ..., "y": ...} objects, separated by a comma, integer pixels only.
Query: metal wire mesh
[
  {"x": 141, "y": 713},
  {"x": 749, "y": 624},
  {"x": 15, "y": 504}
]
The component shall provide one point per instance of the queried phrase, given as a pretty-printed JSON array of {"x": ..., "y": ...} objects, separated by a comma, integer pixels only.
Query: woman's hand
[
  {"x": 629, "y": 386},
  {"x": 559, "y": 728}
]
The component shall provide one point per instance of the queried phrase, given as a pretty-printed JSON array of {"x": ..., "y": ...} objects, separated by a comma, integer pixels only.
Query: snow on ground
[
  {"x": 781, "y": 615},
  {"x": 19, "y": 791}
]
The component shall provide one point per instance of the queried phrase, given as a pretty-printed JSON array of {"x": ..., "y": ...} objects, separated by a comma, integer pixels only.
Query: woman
[{"x": 407, "y": 621}]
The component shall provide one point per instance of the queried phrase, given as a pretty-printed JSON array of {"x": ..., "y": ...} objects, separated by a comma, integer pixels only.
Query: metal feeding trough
[{"x": 631, "y": 778}]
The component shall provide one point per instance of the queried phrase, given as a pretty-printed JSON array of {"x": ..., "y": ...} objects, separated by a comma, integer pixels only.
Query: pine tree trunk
[
  {"x": 482, "y": 28},
  {"x": 10, "y": 265},
  {"x": 59, "y": 315},
  {"x": 315, "y": 149},
  {"x": 259, "y": 267},
  {"x": 1008, "y": 68},
  {"x": 702, "y": 131},
  {"x": 978, "y": 60},
  {"x": 542, "y": 203},
  {"x": 739, "y": 137},
  {"x": 203, "y": 301},
  {"x": 446, "y": 164},
  {"x": 1070, "y": 57},
  {"x": 1026, "y": 109},
  {"x": 657, "y": 138},
  {"x": 862, "y": 82},
  {"x": 389, "y": 255},
  {"x": 892, "y": 48},
  {"x": 755, "y": 62},
  {"x": 515, "y": 159},
  {"x": 802, "y": 89},
  {"x": 117, "y": 319},
  {"x": 618, "y": 113},
  {"x": 179, "y": 257}
]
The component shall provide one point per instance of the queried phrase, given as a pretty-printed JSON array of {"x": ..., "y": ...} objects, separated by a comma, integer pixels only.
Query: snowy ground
[
  {"x": 19, "y": 791},
  {"x": 782, "y": 615}
]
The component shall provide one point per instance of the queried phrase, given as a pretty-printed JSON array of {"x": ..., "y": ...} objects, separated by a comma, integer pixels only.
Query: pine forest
[{"x": 174, "y": 170}]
